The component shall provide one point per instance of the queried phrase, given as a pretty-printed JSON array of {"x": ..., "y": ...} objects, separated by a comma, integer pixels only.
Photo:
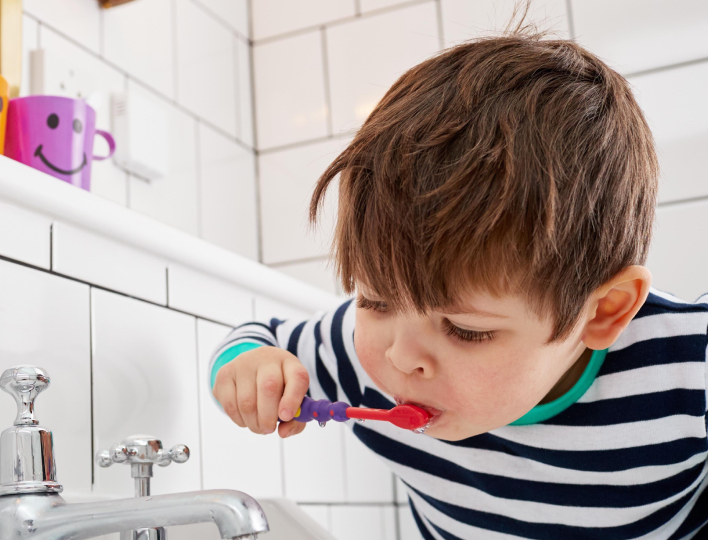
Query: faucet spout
[{"x": 49, "y": 517}]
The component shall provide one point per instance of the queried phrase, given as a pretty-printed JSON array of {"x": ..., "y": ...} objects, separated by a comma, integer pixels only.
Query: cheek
[{"x": 369, "y": 343}]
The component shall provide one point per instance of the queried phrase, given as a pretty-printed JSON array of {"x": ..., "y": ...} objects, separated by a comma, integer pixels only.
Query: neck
[{"x": 570, "y": 377}]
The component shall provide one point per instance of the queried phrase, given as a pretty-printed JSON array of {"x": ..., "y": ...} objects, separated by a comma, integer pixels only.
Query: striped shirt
[{"x": 626, "y": 460}]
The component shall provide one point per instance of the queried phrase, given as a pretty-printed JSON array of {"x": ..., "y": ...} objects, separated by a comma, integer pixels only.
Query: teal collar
[{"x": 548, "y": 410}]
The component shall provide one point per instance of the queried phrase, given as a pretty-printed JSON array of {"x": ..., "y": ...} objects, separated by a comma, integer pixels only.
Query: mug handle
[{"x": 111, "y": 144}]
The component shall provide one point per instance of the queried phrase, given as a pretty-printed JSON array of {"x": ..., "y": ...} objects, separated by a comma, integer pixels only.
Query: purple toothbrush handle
[{"x": 322, "y": 410}]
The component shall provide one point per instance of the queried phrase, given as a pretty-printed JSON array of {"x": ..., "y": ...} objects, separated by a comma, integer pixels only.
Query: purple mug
[{"x": 55, "y": 135}]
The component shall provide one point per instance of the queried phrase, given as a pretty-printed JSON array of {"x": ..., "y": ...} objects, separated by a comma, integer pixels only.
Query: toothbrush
[{"x": 404, "y": 416}]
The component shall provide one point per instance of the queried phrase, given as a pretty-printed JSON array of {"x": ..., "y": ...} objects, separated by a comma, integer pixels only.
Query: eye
[
  {"x": 78, "y": 126},
  {"x": 373, "y": 305},
  {"x": 53, "y": 121},
  {"x": 467, "y": 335}
]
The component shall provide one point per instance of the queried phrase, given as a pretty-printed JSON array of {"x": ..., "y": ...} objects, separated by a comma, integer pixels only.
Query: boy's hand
[{"x": 260, "y": 385}]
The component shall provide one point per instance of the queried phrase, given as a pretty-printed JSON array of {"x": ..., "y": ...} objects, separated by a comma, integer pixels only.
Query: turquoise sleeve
[{"x": 228, "y": 355}]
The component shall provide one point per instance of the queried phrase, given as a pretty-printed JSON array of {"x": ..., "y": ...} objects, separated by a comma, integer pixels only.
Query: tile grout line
[
  {"x": 439, "y": 18},
  {"x": 198, "y": 177},
  {"x": 667, "y": 67},
  {"x": 144, "y": 85},
  {"x": 325, "y": 77},
  {"x": 237, "y": 86},
  {"x": 254, "y": 132},
  {"x": 93, "y": 430},
  {"x": 216, "y": 18},
  {"x": 199, "y": 405},
  {"x": 338, "y": 22},
  {"x": 112, "y": 291},
  {"x": 569, "y": 15},
  {"x": 175, "y": 62}
]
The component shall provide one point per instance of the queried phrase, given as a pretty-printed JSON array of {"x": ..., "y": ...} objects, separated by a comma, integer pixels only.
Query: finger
[
  {"x": 246, "y": 398},
  {"x": 288, "y": 429},
  {"x": 269, "y": 389},
  {"x": 225, "y": 393},
  {"x": 297, "y": 381}
]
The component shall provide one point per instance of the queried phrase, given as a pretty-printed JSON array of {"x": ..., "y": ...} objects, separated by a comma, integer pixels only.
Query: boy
[{"x": 495, "y": 211}]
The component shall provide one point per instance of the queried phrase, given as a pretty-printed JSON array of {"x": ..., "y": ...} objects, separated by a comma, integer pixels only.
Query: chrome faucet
[
  {"x": 141, "y": 452},
  {"x": 32, "y": 509}
]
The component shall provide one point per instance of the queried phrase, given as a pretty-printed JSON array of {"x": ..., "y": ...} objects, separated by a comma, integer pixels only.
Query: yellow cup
[{"x": 3, "y": 112}]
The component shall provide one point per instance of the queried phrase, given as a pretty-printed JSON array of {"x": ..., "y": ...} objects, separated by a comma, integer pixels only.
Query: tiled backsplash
[
  {"x": 341, "y": 57},
  {"x": 126, "y": 336}
]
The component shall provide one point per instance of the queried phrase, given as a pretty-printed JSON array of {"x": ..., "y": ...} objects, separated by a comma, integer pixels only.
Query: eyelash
[{"x": 450, "y": 329}]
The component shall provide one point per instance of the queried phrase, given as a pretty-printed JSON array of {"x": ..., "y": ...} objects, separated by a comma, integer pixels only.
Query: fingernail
[{"x": 286, "y": 415}]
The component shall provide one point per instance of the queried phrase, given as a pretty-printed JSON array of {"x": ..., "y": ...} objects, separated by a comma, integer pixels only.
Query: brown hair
[{"x": 507, "y": 164}]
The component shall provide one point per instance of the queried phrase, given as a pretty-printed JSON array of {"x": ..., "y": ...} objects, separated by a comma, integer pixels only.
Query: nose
[{"x": 408, "y": 356}]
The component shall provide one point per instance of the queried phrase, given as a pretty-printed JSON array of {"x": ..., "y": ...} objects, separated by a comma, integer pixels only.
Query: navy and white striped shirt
[{"x": 627, "y": 460}]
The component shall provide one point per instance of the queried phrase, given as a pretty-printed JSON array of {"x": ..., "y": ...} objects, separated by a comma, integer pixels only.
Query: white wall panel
[
  {"x": 138, "y": 37},
  {"x": 144, "y": 382},
  {"x": 634, "y": 35},
  {"x": 227, "y": 185},
  {"x": 25, "y": 235},
  {"x": 44, "y": 321},
  {"x": 290, "y": 90},
  {"x": 234, "y": 457},
  {"x": 273, "y": 17},
  {"x": 366, "y": 56},
  {"x": 676, "y": 108},
  {"x": 75, "y": 18},
  {"x": 676, "y": 260}
]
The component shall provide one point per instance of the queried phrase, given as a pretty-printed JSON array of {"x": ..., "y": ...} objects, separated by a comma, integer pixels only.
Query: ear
[{"x": 613, "y": 305}]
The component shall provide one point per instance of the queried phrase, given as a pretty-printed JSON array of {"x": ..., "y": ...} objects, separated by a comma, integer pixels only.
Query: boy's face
[{"x": 483, "y": 367}]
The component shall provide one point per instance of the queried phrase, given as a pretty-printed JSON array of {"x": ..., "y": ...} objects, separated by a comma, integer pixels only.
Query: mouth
[
  {"x": 434, "y": 413},
  {"x": 38, "y": 153}
]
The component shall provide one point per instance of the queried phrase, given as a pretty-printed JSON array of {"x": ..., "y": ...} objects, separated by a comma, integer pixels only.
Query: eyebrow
[{"x": 472, "y": 311}]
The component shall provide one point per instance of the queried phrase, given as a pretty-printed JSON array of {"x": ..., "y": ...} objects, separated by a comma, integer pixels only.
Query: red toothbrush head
[{"x": 409, "y": 417}]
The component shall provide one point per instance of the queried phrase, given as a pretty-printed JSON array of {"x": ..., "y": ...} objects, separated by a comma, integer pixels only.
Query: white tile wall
[
  {"x": 371, "y": 5},
  {"x": 194, "y": 292},
  {"x": 408, "y": 530},
  {"x": 227, "y": 184},
  {"x": 172, "y": 199},
  {"x": 145, "y": 382},
  {"x": 314, "y": 464},
  {"x": 138, "y": 37},
  {"x": 245, "y": 92},
  {"x": 232, "y": 12},
  {"x": 675, "y": 260},
  {"x": 367, "y": 55},
  {"x": 370, "y": 522},
  {"x": 677, "y": 111},
  {"x": 273, "y": 17},
  {"x": 267, "y": 308},
  {"x": 72, "y": 72},
  {"x": 318, "y": 273},
  {"x": 634, "y": 35},
  {"x": 75, "y": 18},
  {"x": 44, "y": 321},
  {"x": 287, "y": 178},
  {"x": 290, "y": 90},
  {"x": 368, "y": 478},
  {"x": 98, "y": 260},
  {"x": 24, "y": 235},
  {"x": 30, "y": 42},
  {"x": 320, "y": 513},
  {"x": 463, "y": 20},
  {"x": 234, "y": 457},
  {"x": 206, "y": 78}
]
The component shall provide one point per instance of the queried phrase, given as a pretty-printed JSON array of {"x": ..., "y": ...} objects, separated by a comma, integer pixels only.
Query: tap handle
[
  {"x": 24, "y": 383},
  {"x": 142, "y": 450}
]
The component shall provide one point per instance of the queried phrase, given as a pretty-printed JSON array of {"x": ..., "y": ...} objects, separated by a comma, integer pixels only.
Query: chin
[{"x": 446, "y": 431}]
